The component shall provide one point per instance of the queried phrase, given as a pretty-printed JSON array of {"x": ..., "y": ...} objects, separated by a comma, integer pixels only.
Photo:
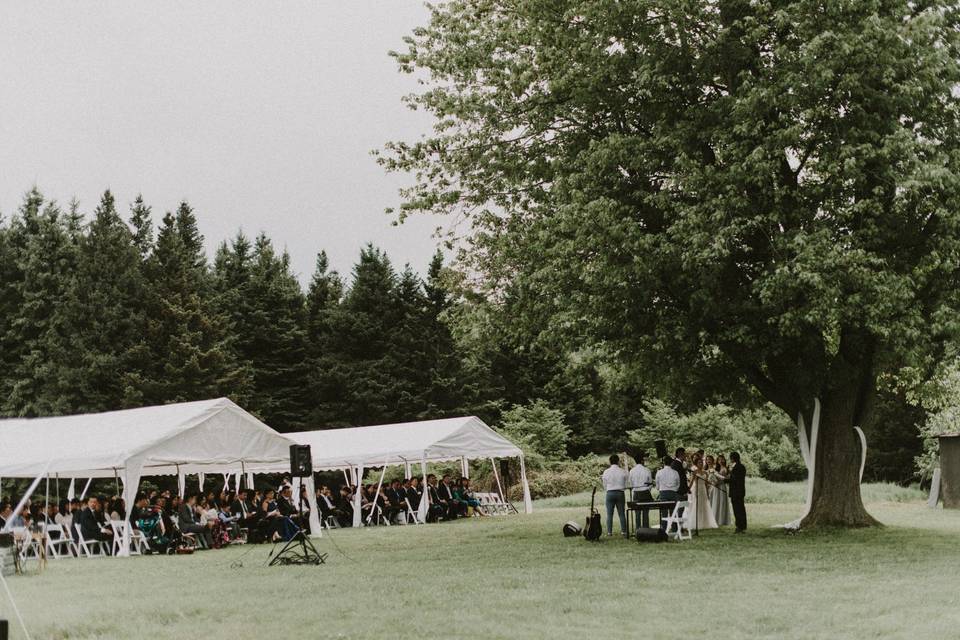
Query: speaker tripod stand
[{"x": 298, "y": 549}]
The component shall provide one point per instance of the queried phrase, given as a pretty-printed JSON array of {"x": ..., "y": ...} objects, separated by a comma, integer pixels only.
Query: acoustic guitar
[{"x": 593, "y": 530}]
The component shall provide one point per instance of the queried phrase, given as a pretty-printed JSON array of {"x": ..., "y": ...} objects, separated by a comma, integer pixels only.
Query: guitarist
[{"x": 615, "y": 482}]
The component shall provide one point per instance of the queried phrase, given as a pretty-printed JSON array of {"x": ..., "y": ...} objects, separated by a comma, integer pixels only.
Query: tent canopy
[
  {"x": 209, "y": 436},
  {"x": 407, "y": 442}
]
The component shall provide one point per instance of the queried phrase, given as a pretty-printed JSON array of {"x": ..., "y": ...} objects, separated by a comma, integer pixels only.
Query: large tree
[{"x": 722, "y": 193}]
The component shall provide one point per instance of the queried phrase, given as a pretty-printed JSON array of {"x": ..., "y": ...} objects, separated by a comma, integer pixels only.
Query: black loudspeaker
[
  {"x": 650, "y": 535},
  {"x": 4, "y": 630},
  {"x": 661, "y": 446},
  {"x": 301, "y": 464}
]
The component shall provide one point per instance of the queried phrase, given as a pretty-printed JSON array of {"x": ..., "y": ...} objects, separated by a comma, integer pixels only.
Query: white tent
[
  {"x": 210, "y": 436},
  {"x": 409, "y": 443}
]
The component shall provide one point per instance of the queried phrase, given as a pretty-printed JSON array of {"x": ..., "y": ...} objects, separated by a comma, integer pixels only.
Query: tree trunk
[{"x": 836, "y": 480}]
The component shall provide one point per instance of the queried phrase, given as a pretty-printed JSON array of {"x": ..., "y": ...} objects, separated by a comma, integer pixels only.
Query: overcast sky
[{"x": 261, "y": 114}]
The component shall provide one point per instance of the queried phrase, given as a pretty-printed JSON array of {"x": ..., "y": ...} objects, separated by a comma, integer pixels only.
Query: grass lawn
[{"x": 517, "y": 577}]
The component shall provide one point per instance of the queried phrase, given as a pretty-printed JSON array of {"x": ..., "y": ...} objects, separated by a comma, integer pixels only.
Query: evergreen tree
[
  {"x": 323, "y": 296},
  {"x": 37, "y": 259},
  {"x": 276, "y": 339},
  {"x": 351, "y": 381},
  {"x": 141, "y": 219},
  {"x": 101, "y": 350},
  {"x": 188, "y": 335}
]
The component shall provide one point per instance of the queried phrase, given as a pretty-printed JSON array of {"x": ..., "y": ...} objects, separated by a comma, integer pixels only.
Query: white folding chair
[
  {"x": 675, "y": 522},
  {"x": 89, "y": 548},
  {"x": 119, "y": 527},
  {"x": 28, "y": 548},
  {"x": 411, "y": 515},
  {"x": 330, "y": 522},
  {"x": 57, "y": 541}
]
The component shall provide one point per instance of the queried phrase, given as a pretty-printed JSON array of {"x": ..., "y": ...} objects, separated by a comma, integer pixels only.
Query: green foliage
[
  {"x": 537, "y": 429},
  {"x": 942, "y": 402},
  {"x": 765, "y": 437},
  {"x": 718, "y": 197}
]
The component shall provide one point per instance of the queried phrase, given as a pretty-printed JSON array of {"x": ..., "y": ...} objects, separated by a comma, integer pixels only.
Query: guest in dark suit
[
  {"x": 89, "y": 525},
  {"x": 190, "y": 523},
  {"x": 738, "y": 491},
  {"x": 244, "y": 508},
  {"x": 679, "y": 465},
  {"x": 414, "y": 492}
]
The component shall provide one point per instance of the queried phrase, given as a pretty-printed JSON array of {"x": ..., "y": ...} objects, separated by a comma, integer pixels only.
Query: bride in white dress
[{"x": 700, "y": 514}]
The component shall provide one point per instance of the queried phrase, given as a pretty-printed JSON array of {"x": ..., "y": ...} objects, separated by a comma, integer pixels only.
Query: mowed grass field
[{"x": 518, "y": 577}]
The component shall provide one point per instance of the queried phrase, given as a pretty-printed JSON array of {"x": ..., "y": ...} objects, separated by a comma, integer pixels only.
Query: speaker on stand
[{"x": 299, "y": 549}]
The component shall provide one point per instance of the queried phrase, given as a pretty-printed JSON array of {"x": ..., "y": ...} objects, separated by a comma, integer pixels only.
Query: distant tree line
[{"x": 109, "y": 311}]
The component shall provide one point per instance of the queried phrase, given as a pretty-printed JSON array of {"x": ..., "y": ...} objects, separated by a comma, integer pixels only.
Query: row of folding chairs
[
  {"x": 493, "y": 504},
  {"x": 60, "y": 545}
]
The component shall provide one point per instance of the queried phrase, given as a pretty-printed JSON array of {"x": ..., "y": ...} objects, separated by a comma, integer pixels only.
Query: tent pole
[
  {"x": 424, "y": 507},
  {"x": 46, "y": 500},
  {"x": 406, "y": 469},
  {"x": 58, "y": 490},
  {"x": 357, "y": 512},
  {"x": 85, "y": 488},
  {"x": 527, "y": 502},
  {"x": 464, "y": 467},
  {"x": 116, "y": 481},
  {"x": 496, "y": 474},
  {"x": 376, "y": 496}
]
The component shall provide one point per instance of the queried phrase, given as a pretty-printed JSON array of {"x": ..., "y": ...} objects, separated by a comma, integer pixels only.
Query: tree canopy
[{"x": 718, "y": 194}]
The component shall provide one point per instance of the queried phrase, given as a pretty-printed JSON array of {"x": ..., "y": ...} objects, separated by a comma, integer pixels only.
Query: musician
[
  {"x": 615, "y": 483},
  {"x": 668, "y": 485},
  {"x": 641, "y": 481}
]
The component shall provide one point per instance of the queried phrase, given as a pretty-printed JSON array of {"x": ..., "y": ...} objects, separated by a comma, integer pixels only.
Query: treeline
[{"x": 111, "y": 310}]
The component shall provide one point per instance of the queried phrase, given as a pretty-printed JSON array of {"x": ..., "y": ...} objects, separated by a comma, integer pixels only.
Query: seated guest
[
  {"x": 141, "y": 509},
  {"x": 396, "y": 499},
  {"x": 454, "y": 507},
  {"x": 6, "y": 511},
  {"x": 468, "y": 497},
  {"x": 90, "y": 525},
  {"x": 344, "y": 504},
  {"x": 414, "y": 492},
  {"x": 190, "y": 521},
  {"x": 438, "y": 508},
  {"x": 64, "y": 517},
  {"x": 291, "y": 511},
  {"x": 243, "y": 510},
  {"x": 279, "y": 526}
]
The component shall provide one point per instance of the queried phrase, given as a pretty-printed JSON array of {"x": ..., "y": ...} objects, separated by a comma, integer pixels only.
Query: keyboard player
[{"x": 641, "y": 480}]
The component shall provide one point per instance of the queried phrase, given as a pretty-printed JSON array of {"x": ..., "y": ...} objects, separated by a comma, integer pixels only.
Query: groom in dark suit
[
  {"x": 738, "y": 490},
  {"x": 679, "y": 465}
]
